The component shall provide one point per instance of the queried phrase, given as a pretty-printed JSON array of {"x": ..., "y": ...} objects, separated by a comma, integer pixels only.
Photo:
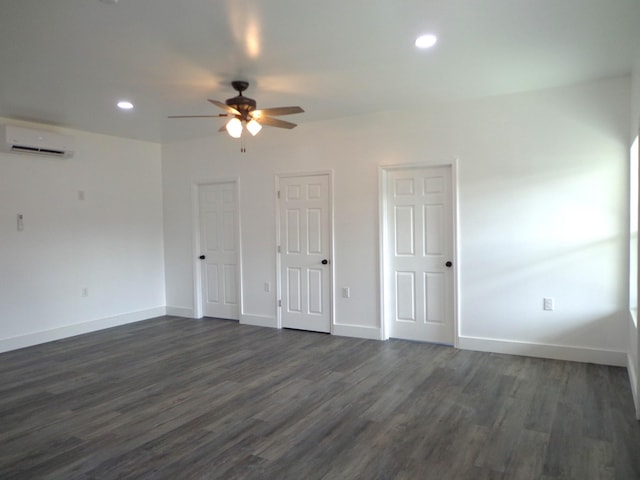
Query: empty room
[{"x": 278, "y": 239}]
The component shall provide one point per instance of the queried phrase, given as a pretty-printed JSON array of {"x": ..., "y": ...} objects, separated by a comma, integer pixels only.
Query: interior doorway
[
  {"x": 418, "y": 253},
  {"x": 218, "y": 251},
  {"x": 305, "y": 252}
]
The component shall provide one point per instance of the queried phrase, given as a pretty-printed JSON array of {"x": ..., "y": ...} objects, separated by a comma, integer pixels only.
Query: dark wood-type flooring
[{"x": 188, "y": 399}]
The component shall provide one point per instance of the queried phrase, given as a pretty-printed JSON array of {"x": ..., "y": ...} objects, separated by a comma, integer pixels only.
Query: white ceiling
[{"x": 67, "y": 62}]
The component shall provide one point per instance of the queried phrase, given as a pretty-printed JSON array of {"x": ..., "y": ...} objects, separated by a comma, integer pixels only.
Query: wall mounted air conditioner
[{"x": 35, "y": 142}]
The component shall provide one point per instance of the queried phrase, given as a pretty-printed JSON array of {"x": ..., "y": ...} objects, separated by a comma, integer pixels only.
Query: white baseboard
[
  {"x": 357, "y": 331},
  {"x": 633, "y": 380},
  {"x": 180, "y": 312},
  {"x": 36, "y": 338},
  {"x": 555, "y": 352},
  {"x": 259, "y": 320}
]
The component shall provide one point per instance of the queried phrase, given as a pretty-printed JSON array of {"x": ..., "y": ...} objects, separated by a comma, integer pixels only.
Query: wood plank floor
[{"x": 188, "y": 399}]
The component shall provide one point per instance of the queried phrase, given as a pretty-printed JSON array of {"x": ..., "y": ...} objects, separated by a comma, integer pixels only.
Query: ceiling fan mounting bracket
[{"x": 240, "y": 86}]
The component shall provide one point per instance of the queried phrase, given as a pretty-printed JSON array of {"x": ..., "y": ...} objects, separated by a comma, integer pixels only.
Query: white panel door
[
  {"x": 305, "y": 248},
  {"x": 418, "y": 280},
  {"x": 219, "y": 250}
]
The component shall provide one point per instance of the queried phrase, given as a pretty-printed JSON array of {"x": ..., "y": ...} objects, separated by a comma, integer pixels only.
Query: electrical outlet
[
  {"x": 85, "y": 292},
  {"x": 267, "y": 287},
  {"x": 547, "y": 304},
  {"x": 346, "y": 292}
]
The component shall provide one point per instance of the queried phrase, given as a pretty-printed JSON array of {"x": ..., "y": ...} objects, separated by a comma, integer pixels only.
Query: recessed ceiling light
[
  {"x": 125, "y": 105},
  {"x": 426, "y": 41}
]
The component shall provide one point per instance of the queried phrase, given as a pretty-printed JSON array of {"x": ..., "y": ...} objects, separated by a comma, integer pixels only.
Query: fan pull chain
[{"x": 243, "y": 149}]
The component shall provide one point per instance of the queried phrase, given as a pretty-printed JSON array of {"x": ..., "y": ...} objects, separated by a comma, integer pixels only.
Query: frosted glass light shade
[
  {"x": 234, "y": 127},
  {"x": 253, "y": 127}
]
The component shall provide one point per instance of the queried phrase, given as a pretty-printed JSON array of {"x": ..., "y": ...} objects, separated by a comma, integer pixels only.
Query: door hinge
[
  {"x": 279, "y": 249},
  {"x": 279, "y": 303},
  {"x": 278, "y": 194}
]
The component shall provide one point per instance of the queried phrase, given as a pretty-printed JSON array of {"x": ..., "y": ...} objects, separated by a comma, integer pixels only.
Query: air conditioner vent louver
[
  {"x": 37, "y": 151},
  {"x": 35, "y": 142}
]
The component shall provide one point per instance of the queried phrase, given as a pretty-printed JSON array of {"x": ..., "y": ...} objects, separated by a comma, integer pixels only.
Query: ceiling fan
[{"x": 244, "y": 114}]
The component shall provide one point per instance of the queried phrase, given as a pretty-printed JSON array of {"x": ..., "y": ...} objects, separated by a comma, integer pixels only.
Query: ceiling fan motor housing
[{"x": 244, "y": 105}]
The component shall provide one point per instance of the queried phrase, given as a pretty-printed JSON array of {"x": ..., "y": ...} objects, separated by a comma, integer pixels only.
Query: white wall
[
  {"x": 110, "y": 243},
  {"x": 543, "y": 212},
  {"x": 633, "y": 345}
]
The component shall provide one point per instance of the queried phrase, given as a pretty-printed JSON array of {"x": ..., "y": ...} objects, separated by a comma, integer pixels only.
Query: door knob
[
  {"x": 202, "y": 257},
  {"x": 325, "y": 261},
  {"x": 449, "y": 264}
]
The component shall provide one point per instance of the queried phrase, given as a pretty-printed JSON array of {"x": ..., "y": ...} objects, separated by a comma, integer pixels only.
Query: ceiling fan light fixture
[
  {"x": 234, "y": 127},
  {"x": 253, "y": 127}
]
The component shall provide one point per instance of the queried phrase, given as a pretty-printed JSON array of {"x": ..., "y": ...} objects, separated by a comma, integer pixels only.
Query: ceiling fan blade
[
  {"x": 223, "y": 128},
  {"x": 274, "y": 112},
  {"x": 274, "y": 122},
  {"x": 199, "y": 116},
  {"x": 225, "y": 107}
]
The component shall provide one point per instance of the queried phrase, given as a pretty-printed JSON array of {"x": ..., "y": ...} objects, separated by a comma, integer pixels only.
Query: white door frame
[
  {"x": 385, "y": 315},
  {"x": 278, "y": 176},
  {"x": 197, "y": 263}
]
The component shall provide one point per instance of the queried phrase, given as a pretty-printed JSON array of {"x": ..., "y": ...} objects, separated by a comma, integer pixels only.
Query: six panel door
[
  {"x": 418, "y": 286},
  {"x": 219, "y": 246},
  {"x": 305, "y": 253}
]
